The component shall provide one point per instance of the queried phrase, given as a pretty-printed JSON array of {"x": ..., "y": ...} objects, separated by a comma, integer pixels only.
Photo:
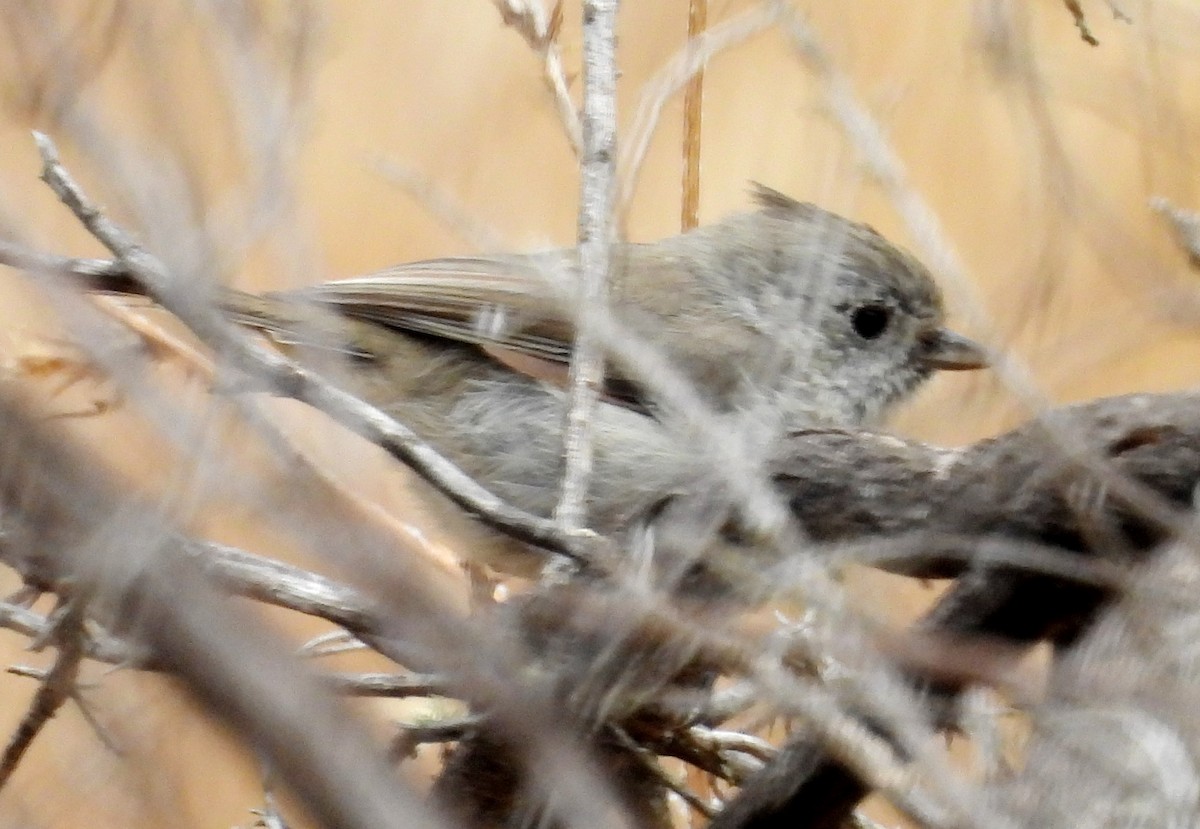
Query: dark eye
[{"x": 870, "y": 321}]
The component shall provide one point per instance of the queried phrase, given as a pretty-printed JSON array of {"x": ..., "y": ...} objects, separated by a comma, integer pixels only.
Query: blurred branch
[
  {"x": 396, "y": 686},
  {"x": 649, "y": 761},
  {"x": 450, "y": 730},
  {"x": 288, "y": 379},
  {"x": 1081, "y": 23},
  {"x": 1185, "y": 224},
  {"x": 1141, "y": 464},
  {"x": 35, "y": 626},
  {"x": 65, "y": 524},
  {"x": 1145, "y": 460},
  {"x": 863, "y": 485},
  {"x": 1009, "y": 486},
  {"x": 676, "y": 75}
]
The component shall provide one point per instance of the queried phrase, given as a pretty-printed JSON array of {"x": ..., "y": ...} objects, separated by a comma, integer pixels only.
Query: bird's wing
[
  {"x": 518, "y": 304},
  {"x": 518, "y": 309}
]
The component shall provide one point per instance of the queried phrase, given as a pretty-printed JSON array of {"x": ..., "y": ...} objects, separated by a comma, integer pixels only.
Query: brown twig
[
  {"x": 693, "y": 107},
  {"x": 56, "y": 687},
  {"x": 396, "y": 686},
  {"x": 675, "y": 75},
  {"x": 1081, "y": 23}
]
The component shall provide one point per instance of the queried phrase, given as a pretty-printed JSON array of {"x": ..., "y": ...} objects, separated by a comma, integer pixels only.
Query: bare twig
[
  {"x": 1118, "y": 13},
  {"x": 597, "y": 169},
  {"x": 388, "y": 685},
  {"x": 331, "y": 643},
  {"x": 59, "y": 511},
  {"x": 1185, "y": 225},
  {"x": 450, "y": 730},
  {"x": 1081, "y": 23},
  {"x": 269, "y": 816},
  {"x": 733, "y": 742},
  {"x": 860, "y": 821},
  {"x": 285, "y": 377},
  {"x": 693, "y": 108},
  {"x": 56, "y": 688},
  {"x": 440, "y": 204},
  {"x": 650, "y": 762},
  {"x": 540, "y": 31},
  {"x": 32, "y": 624}
]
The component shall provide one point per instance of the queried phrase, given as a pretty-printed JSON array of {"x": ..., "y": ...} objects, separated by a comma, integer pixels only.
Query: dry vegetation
[{"x": 229, "y": 602}]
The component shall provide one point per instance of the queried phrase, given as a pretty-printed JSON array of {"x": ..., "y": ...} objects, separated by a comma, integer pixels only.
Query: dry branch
[
  {"x": 597, "y": 191},
  {"x": 67, "y": 527},
  {"x": 1067, "y": 523},
  {"x": 286, "y": 378},
  {"x": 1017, "y": 487},
  {"x": 55, "y": 688}
]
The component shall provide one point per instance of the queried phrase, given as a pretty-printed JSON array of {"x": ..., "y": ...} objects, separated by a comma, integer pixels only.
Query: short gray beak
[{"x": 945, "y": 350}]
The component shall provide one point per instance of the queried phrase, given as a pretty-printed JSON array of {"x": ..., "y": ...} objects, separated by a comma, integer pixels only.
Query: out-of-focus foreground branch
[{"x": 1045, "y": 537}]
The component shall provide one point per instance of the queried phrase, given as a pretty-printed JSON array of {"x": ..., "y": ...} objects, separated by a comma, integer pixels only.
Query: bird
[{"x": 779, "y": 318}]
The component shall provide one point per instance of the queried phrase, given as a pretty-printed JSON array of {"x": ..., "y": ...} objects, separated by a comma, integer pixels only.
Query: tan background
[{"x": 1037, "y": 153}]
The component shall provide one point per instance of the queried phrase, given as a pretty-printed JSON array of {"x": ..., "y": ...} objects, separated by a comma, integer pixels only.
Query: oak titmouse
[{"x": 783, "y": 317}]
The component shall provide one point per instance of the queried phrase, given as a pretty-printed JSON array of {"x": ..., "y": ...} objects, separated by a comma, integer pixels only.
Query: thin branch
[
  {"x": 675, "y": 75},
  {"x": 1081, "y": 23},
  {"x": 59, "y": 510},
  {"x": 1185, "y": 224},
  {"x": 693, "y": 108},
  {"x": 56, "y": 688},
  {"x": 439, "y": 203},
  {"x": 35, "y": 626},
  {"x": 540, "y": 32},
  {"x": 650, "y": 762},
  {"x": 287, "y": 378},
  {"x": 597, "y": 170},
  {"x": 451, "y": 730},
  {"x": 724, "y": 742},
  {"x": 269, "y": 816},
  {"x": 729, "y": 755},
  {"x": 397, "y": 686},
  {"x": 330, "y": 643}
]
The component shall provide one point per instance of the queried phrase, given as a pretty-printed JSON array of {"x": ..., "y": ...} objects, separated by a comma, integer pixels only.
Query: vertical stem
[
  {"x": 595, "y": 237},
  {"x": 693, "y": 100}
]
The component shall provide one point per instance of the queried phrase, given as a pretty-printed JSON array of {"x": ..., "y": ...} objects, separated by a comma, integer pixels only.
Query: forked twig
[
  {"x": 540, "y": 31},
  {"x": 56, "y": 687},
  {"x": 289, "y": 379}
]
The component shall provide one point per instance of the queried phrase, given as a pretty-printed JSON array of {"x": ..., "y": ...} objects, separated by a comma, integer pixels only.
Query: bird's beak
[{"x": 945, "y": 350}]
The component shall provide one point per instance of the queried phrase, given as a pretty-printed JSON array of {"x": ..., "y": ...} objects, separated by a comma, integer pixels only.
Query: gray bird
[{"x": 781, "y": 318}]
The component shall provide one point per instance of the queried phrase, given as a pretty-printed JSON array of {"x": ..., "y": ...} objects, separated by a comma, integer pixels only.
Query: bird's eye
[{"x": 870, "y": 321}]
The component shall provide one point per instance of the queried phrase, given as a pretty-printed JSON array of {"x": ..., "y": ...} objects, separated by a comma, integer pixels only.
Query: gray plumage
[{"x": 781, "y": 318}]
